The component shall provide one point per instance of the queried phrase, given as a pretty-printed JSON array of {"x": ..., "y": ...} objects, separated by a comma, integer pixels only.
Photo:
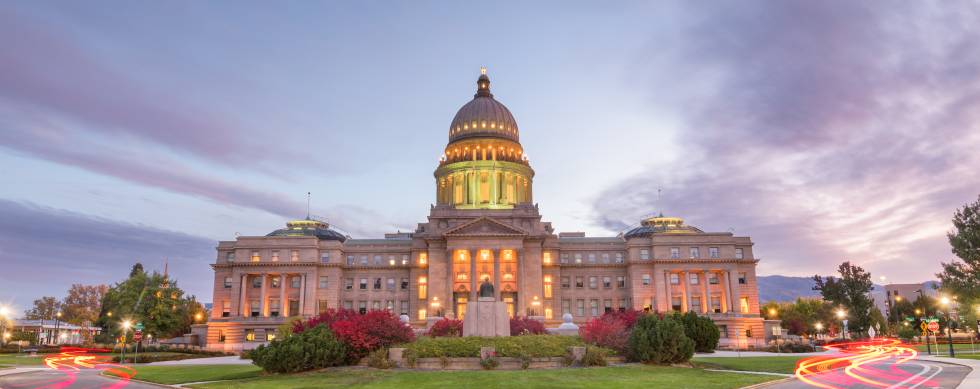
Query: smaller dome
[
  {"x": 483, "y": 116},
  {"x": 661, "y": 225},
  {"x": 308, "y": 227}
]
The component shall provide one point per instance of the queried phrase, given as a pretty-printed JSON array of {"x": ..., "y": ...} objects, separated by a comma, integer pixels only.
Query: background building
[{"x": 483, "y": 226}]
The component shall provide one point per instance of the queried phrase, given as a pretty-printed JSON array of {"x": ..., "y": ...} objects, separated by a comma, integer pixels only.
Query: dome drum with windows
[{"x": 484, "y": 165}]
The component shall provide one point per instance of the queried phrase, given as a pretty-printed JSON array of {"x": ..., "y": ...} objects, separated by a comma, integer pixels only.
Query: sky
[{"x": 148, "y": 131}]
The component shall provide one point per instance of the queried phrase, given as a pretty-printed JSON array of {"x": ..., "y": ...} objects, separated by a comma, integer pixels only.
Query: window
[
  {"x": 716, "y": 303},
  {"x": 275, "y": 255},
  {"x": 362, "y": 307},
  {"x": 249, "y": 335},
  {"x": 591, "y": 257},
  {"x": 578, "y": 257},
  {"x": 646, "y": 279},
  {"x": 391, "y": 286},
  {"x": 294, "y": 281},
  {"x": 404, "y": 286},
  {"x": 364, "y": 260},
  {"x": 348, "y": 304},
  {"x": 423, "y": 258},
  {"x": 404, "y": 259},
  {"x": 579, "y": 282},
  {"x": 221, "y": 336},
  {"x": 607, "y": 282},
  {"x": 423, "y": 288},
  {"x": 594, "y": 307},
  {"x": 270, "y": 336},
  {"x": 713, "y": 278},
  {"x": 607, "y": 305},
  {"x": 675, "y": 252},
  {"x": 323, "y": 282},
  {"x": 274, "y": 282},
  {"x": 256, "y": 282},
  {"x": 254, "y": 308},
  {"x": 695, "y": 253},
  {"x": 741, "y": 278},
  {"x": 564, "y": 257},
  {"x": 675, "y": 303},
  {"x": 738, "y": 254},
  {"x": 325, "y": 256},
  {"x": 377, "y": 260},
  {"x": 580, "y": 307},
  {"x": 230, "y": 256},
  {"x": 390, "y": 305},
  {"x": 620, "y": 281},
  {"x": 227, "y": 282},
  {"x": 723, "y": 331},
  {"x": 547, "y": 286},
  {"x": 744, "y": 304},
  {"x": 675, "y": 279},
  {"x": 593, "y": 282},
  {"x": 693, "y": 278},
  {"x": 695, "y": 304},
  {"x": 350, "y": 260},
  {"x": 363, "y": 284},
  {"x": 619, "y": 257},
  {"x": 404, "y": 310},
  {"x": 226, "y": 308},
  {"x": 255, "y": 256},
  {"x": 623, "y": 304},
  {"x": 644, "y": 254},
  {"x": 294, "y": 307},
  {"x": 566, "y": 307},
  {"x": 349, "y": 283},
  {"x": 274, "y": 307},
  {"x": 713, "y": 252},
  {"x": 377, "y": 284},
  {"x": 294, "y": 255},
  {"x": 422, "y": 314},
  {"x": 376, "y": 305},
  {"x": 605, "y": 257},
  {"x": 566, "y": 282}
]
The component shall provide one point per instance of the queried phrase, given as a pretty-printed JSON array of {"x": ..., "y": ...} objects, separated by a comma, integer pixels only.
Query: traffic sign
[
  {"x": 137, "y": 335},
  {"x": 138, "y": 326},
  {"x": 933, "y": 326},
  {"x": 923, "y": 325}
]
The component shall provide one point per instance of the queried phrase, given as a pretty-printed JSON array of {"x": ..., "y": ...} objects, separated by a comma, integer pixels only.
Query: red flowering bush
[
  {"x": 525, "y": 326},
  {"x": 446, "y": 327},
  {"x": 611, "y": 330},
  {"x": 361, "y": 333}
]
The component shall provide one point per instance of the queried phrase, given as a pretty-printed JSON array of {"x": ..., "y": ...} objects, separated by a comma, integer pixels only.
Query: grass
[
  {"x": 11, "y": 360},
  {"x": 178, "y": 374},
  {"x": 777, "y": 364},
  {"x": 629, "y": 376},
  {"x": 944, "y": 348}
]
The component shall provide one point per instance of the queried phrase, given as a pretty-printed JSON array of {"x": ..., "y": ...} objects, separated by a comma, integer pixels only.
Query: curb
[
  {"x": 101, "y": 374},
  {"x": 769, "y": 383}
]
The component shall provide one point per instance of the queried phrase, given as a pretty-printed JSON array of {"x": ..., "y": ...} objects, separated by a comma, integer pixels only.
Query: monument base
[{"x": 486, "y": 317}]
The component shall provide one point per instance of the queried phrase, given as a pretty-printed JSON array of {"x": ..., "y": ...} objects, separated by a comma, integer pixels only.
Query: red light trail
[
  {"x": 858, "y": 363},
  {"x": 72, "y": 360}
]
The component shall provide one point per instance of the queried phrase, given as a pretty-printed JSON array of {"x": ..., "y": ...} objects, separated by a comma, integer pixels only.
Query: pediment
[{"x": 485, "y": 226}]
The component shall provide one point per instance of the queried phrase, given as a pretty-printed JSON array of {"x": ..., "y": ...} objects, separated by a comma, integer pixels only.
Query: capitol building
[{"x": 484, "y": 225}]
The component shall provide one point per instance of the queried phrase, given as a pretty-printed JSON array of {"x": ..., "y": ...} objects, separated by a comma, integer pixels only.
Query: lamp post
[
  {"x": 842, "y": 316},
  {"x": 57, "y": 325},
  {"x": 122, "y": 352},
  {"x": 4, "y": 311},
  {"x": 772, "y": 314},
  {"x": 949, "y": 330}
]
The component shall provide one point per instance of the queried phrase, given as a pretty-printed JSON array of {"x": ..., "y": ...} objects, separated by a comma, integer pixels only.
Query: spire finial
[
  {"x": 483, "y": 70},
  {"x": 659, "y": 202},
  {"x": 307, "y": 205},
  {"x": 483, "y": 84}
]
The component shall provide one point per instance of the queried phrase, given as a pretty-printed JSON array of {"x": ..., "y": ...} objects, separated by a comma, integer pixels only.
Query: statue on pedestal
[{"x": 486, "y": 288}]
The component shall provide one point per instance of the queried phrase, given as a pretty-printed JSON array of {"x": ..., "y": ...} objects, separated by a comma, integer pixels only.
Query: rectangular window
[
  {"x": 348, "y": 304},
  {"x": 738, "y": 254},
  {"x": 350, "y": 260},
  {"x": 254, "y": 308},
  {"x": 325, "y": 257},
  {"x": 646, "y": 279},
  {"x": 741, "y": 278},
  {"x": 620, "y": 281},
  {"x": 377, "y": 284},
  {"x": 363, "y": 284},
  {"x": 695, "y": 253},
  {"x": 390, "y": 305},
  {"x": 566, "y": 282},
  {"x": 675, "y": 303},
  {"x": 716, "y": 304},
  {"x": 744, "y": 304},
  {"x": 566, "y": 307},
  {"x": 713, "y": 278},
  {"x": 404, "y": 310},
  {"x": 675, "y": 252},
  {"x": 619, "y": 257},
  {"x": 593, "y": 282},
  {"x": 377, "y": 260},
  {"x": 274, "y": 307},
  {"x": 404, "y": 286},
  {"x": 274, "y": 282},
  {"x": 723, "y": 331},
  {"x": 362, "y": 307},
  {"x": 270, "y": 335},
  {"x": 391, "y": 285},
  {"x": 349, "y": 283},
  {"x": 623, "y": 304},
  {"x": 404, "y": 259},
  {"x": 605, "y": 257},
  {"x": 578, "y": 257},
  {"x": 275, "y": 255},
  {"x": 594, "y": 307},
  {"x": 364, "y": 260},
  {"x": 644, "y": 254},
  {"x": 294, "y": 307},
  {"x": 591, "y": 257},
  {"x": 230, "y": 256},
  {"x": 256, "y": 282},
  {"x": 423, "y": 288},
  {"x": 547, "y": 290},
  {"x": 249, "y": 335},
  {"x": 693, "y": 278},
  {"x": 607, "y": 282},
  {"x": 579, "y": 282},
  {"x": 226, "y": 308},
  {"x": 323, "y": 282},
  {"x": 376, "y": 305},
  {"x": 607, "y": 305},
  {"x": 255, "y": 256},
  {"x": 675, "y": 279},
  {"x": 227, "y": 282},
  {"x": 294, "y": 255},
  {"x": 422, "y": 314},
  {"x": 713, "y": 252},
  {"x": 294, "y": 281},
  {"x": 564, "y": 257},
  {"x": 221, "y": 336},
  {"x": 580, "y": 307},
  {"x": 695, "y": 304}
]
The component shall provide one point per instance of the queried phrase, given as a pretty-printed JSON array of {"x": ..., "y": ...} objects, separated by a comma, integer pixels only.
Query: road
[
  {"x": 73, "y": 369},
  {"x": 884, "y": 363}
]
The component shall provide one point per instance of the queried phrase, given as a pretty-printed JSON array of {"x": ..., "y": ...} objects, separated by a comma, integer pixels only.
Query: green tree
[
  {"x": 851, "y": 292},
  {"x": 45, "y": 308},
  {"x": 151, "y": 299},
  {"x": 962, "y": 277}
]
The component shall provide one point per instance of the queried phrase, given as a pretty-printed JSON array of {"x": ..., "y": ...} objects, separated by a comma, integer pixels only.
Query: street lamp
[
  {"x": 949, "y": 328},
  {"x": 842, "y": 315},
  {"x": 57, "y": 322},
  {"x": 4, "y": 311},
  {"x": 122, "y": 353},
  {"x": 198, "y": 316}
]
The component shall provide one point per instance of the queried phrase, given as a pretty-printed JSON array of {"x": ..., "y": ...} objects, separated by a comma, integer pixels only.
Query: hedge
[{"x": 534, "y": 346}]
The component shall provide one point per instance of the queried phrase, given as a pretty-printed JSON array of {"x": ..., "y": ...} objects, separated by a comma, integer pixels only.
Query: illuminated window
[
  {"x": 423, "y": 288},
  {"x": 738, "y": 254},
  {"x": 255, "y": 256},
  {"x": 744, "y": 304},
  {"x": 547, "y": 287},
  {"x": 644, "y": 254},
  {"x": 422, "y": 313},
  {"x": 274, "y": 282},
  {"x": 713, "y": 252},
  {"x": 675, "y": 252},
  {"x": 547, "y": 258},
  {"x": 275, "y": 255},
  {"x": 249, "y": 335},
  {"x": 270, "y": 336},
  {"x": 548, "y": 314},
  {"x": 423, "y": 258}
]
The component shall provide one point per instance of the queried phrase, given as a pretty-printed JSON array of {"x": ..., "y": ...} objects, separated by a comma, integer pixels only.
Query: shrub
[
  {"x": 701, "y": 330},
  {"x": 446, "y": 327},
  {"x": 285, "y": 329},
  {"x": 526, "y": 326},
  {"x": 313, "y": 348},
  {"x": 656, "y": 340},
  {"x": 378, "y": 359},
  {"x": 533, "y": 346},
  {"x": 906, "y": 333},
  {"x": 594, "y": 356},
  {"x": 627, "y": 316},
  {"x": 525, "y": 360},
  {"x": 791, "y": 347},
  {"x": 361, "y": 333},
  {"x": 606, "y": 331},
  {"x": 490, "y": 362}
]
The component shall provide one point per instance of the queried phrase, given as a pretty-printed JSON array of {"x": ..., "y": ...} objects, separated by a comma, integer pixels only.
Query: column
[
  {"x": 474, "y": 283},
  {"x": 736, "y": 296},
  {"x": 283, "y": 304},
  {"x": 670, "y": 296},
  {"x": 519, "y": 308},
  {"x": 302, "y": 295},
  {"x": 725, "y": 301},
  {"x": 705, "y": 295},
  {"x": 496, "y": 274},
  {"x": 242, "y": 297},
  {"x": 686, "y": 299},
  {"x": 263, "y": 299}
]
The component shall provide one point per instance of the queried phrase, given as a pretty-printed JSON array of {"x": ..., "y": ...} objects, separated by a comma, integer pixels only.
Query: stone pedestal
[{"x": 486, "y": 317}]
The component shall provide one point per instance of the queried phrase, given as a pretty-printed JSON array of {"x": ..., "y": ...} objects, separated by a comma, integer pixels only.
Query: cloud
[
  {"x": 44, "y": 250},
  {"x": 825, "y": 130}
]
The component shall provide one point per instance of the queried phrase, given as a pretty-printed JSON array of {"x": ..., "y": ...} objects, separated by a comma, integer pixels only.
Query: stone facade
[{"x": 484, "y": 225}]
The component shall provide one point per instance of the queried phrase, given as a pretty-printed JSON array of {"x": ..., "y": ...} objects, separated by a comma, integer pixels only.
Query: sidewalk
[
  {"x": 230, "y": 360},
  {"x": 972, "y": 380},
  {"x": 737, "y": 354},
  {"x": 18, "y": 370}
]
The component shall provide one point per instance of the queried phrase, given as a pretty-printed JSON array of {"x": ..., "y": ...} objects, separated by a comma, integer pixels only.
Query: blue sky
[{"x": 146, "y": 130}]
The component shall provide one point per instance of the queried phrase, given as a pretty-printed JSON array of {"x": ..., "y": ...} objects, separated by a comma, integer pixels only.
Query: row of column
[
  {"x": 499, "y": 188},
  {"x": 730, "y": 294},
  {"x": 473, "y": 278},
  {"x": 243, "y": 303}
]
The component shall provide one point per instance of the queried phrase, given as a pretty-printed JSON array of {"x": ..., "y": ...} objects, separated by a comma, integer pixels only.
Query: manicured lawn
[
  {"x": 778, "y": 364},
  {"x": 630, "y": 376},
  {"x": 178, "y": 374},
  {"x": 20, "y": 360},
  {"x": 943, "y": 348}
]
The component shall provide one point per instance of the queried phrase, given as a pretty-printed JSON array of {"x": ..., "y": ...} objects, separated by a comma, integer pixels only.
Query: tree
[
  {"x": 83, "y": 303},
  {"x": 851, "y": 292},
  {"x": 962, "y": 277},
  {"x": 151, "y": 299},
  {"x": 45, "y": 308}
]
